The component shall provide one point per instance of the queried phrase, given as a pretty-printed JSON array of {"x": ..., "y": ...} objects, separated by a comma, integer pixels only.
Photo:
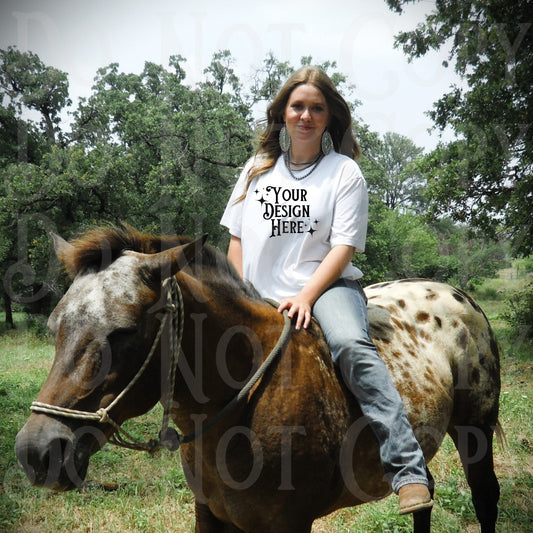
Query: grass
[{"x": 132, "y": 492}]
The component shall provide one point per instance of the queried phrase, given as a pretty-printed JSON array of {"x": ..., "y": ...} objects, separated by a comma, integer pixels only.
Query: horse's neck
[{"x": 222, "y": 345}]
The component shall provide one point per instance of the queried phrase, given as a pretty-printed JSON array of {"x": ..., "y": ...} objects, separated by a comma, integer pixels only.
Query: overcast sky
[{"x": 79, "y": 37}]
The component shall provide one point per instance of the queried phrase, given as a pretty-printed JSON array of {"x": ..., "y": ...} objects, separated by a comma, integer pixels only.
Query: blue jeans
[{"x": 342, "y": 314}]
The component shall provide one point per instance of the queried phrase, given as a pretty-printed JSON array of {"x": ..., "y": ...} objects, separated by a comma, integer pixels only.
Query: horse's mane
[{"x": 97, "y": 248}]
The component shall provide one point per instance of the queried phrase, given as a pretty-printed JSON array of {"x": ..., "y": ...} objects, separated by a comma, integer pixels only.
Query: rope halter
[{"x": 168, "y": 438}]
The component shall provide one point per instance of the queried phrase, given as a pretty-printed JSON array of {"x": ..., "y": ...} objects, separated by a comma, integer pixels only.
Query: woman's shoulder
[
  {"x": 345, "y": 164},
  {"x": 257, "y": 160},
  {"x": 252, "y": 161}
]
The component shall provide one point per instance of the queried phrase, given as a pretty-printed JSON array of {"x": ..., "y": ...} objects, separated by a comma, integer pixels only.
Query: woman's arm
[
  {"x": 328, "y": 271},
  {"x": 235, "y": 253}
]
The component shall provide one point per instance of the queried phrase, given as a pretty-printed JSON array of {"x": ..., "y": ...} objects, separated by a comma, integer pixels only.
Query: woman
[{"x": 296, "y": 217}]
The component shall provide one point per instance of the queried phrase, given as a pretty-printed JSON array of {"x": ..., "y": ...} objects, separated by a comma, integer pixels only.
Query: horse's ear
[
  {"x": 170, "y": 262},
  {"x": 61, "y": 246},
  {"x": 63, "y": 249}
]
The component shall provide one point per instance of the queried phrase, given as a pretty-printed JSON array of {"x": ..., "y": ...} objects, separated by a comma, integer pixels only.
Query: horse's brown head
[{"x": 104, "y": 326}]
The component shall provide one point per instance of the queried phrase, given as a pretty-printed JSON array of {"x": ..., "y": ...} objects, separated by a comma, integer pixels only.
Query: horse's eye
[{"x": 120, "y": 332}]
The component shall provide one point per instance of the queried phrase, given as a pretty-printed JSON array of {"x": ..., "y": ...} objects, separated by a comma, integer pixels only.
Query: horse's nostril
[
  {"x": 28, "y": 458},
  {"x": 48, "y": 465},
  {"x": 43, "y": 464},
  {"x": 53, "y": 461}
]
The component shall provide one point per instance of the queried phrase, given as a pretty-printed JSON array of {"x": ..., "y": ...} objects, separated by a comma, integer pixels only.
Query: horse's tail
[{"x": 500, "y": 436}]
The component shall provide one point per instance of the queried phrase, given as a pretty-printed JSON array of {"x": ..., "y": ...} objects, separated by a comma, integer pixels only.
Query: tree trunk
[{"x": 9, "y": 311}]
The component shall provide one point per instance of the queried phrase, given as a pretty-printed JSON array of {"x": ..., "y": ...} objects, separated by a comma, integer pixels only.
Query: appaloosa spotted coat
[
  {"x": 444, "y": 360},
  {"x": 298, "y": 447}
]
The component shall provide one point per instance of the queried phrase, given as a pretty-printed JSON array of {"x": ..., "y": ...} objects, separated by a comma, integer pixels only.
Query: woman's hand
[
  {"x": 328, "y": 271},
  {"x": 297, "y": 305}
]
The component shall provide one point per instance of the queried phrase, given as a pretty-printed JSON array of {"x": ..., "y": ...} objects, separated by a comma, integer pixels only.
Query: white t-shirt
[{"x": 288, "y": 226}]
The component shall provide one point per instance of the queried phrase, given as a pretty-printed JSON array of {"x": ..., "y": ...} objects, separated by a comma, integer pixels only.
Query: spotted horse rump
[
  {"x": 437, "y": 343},
  {"x": 444, "y": 360}
]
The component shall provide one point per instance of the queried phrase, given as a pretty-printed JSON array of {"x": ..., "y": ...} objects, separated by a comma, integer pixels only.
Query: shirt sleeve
[
  {"x": 232, "y": 217},
  {"x": 350, "y": 217}
]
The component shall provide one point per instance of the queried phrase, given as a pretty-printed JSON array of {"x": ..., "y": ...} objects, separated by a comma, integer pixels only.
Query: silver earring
[
  {"x": 284, "y": 139},
  {"x": 326, "y": 143}
]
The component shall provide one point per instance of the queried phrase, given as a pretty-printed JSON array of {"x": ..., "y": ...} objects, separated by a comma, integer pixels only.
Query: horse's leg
[
  {"x": 206, "y": 522},
  {"x": 422, "y": 519},
  {"x": 474, "y": 445},
  {"x": 290, "y": 524}
]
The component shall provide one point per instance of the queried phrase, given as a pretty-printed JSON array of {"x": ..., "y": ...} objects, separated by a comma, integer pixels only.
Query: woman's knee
[{"x": 354, "y": 350}]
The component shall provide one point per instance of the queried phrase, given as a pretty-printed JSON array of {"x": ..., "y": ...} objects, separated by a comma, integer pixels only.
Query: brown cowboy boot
[{"x": 414, "y": 497}]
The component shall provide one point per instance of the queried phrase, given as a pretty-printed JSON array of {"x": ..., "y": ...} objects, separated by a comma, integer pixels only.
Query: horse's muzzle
[{"x": 54, "y": 456}]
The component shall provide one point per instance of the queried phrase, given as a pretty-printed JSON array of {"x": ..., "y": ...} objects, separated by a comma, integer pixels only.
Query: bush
[
  {"x": 525, "y": 263},
  {"x": 519, "y": 312},
  {"x": 37, "y": 324},
  {"x": 487, "y": 293},
  {"x": 474, "y": 283}
]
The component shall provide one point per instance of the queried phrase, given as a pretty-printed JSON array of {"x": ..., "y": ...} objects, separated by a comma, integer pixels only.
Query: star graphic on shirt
[
  {"x": 261, "y": 200},
  {"x": 311, "y": 230}
]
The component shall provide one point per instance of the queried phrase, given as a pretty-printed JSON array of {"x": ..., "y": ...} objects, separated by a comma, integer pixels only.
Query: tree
[
  {"x": 222, "y": 77},
  {"x": 399, "y": 245},
  {"x": 144, "y": 149},
  {"x": 29, "y": 84},
  {"x": 398, "y": 181},
  {"x": 485, "y": 177},
  {"x": 413, "y": 247},
  {"x": 519, "y": 313},
  {"x": 268, "y": 79},
  {"x": 169, "y": 150},
  {"x": 27, "y": 87},
  {"x": 465, "y": 260},
  {"x": 147, "y": 149}
]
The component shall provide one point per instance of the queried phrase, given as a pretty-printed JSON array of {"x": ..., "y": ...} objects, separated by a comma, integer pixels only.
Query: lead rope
[
  {"x": 243, "y": 393},
  {"x": 168, "y": 438}
]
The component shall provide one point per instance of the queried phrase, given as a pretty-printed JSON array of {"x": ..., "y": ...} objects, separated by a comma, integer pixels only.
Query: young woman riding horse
[{"x": 297, "y": 215}]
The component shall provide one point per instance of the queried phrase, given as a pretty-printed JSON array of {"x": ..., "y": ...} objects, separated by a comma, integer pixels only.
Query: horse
[{"x": 271, "y": 439}]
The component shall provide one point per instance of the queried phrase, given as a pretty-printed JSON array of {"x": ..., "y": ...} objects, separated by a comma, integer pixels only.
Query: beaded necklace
[{"x": 314, "y": 163}]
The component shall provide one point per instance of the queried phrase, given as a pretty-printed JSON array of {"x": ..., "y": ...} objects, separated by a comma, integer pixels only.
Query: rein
[{"x": 168, "y": 437}]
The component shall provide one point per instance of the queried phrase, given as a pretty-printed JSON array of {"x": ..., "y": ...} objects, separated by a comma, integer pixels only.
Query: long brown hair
[{"x": 340, "y": 123}]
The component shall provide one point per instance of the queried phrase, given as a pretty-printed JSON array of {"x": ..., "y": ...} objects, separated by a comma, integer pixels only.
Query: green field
[{"x": 130, "y": 491}]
